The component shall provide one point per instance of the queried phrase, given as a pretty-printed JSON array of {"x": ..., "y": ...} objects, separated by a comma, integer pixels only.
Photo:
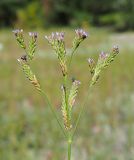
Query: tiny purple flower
[
  {"x": 81, "y": 33},
  {"x": 76, "y": 82},
  {"x": 61, "y": 36},
  {"x": 57, "y": 36},
  {"x": 90, "y": 61},
  {"x": 116, "y": 49},
  {"x": 33, "y": 34},
  {"x": 17, "y": 32},
  {"x": 103, "y": 55}
]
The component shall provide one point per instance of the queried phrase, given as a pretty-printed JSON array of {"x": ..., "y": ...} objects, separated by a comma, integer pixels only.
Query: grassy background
[{"x": 106, "y": 131}]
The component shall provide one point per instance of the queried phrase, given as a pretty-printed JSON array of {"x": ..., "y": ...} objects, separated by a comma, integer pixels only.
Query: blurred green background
[{"x": 28, "y": 131}]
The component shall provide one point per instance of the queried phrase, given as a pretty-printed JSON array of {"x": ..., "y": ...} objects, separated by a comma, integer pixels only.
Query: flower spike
[
  {"x": 32, "y": 45},
  {"x": 103, "y": 61},
  {"x": 56, "y": 40},
  {"x": 81, "y": 33},
  {"x": 19, "y": 37},
  {"x": 28, "y": 72}
]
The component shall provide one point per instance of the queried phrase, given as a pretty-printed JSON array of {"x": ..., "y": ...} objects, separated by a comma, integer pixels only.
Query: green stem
[
  {"x": 70, "y": 60},
  {"x": 53, "y": 111},
  {"x": 69, "y": 148}
]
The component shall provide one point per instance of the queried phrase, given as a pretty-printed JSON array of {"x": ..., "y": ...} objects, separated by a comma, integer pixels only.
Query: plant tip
[
  {"x": 81, "y": 33},
  {"x": 90, "y": 60},
  {"x": 103, "y": 55},
  {"x": 33, "y": 34},
  {"x": 17, "y": 31},
  {"x": 116, "y": 49}
]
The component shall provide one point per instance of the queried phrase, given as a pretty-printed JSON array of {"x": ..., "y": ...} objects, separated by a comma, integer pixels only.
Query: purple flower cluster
[
  {"x": 57, "y": 36},
  {"x": 81, "y": 33},
  {"x": 17, "y": 32},
  {"x": 33, "y": 35},
  {"x": 103, "y": 55}
]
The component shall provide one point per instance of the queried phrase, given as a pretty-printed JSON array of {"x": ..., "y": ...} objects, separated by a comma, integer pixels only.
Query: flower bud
[
  {"x": 18, "y": 32},
  {"x": 103, "y": 56},
  {"x": 34, "y": 35},
  {"x": 32, "y": 45},
  {"x": 81, "y": 33}
]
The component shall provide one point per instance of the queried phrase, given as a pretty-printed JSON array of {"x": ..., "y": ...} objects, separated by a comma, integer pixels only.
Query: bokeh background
[{"x": 28, "y": 131}]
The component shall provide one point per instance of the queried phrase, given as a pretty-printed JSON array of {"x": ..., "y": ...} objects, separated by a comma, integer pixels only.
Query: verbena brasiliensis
[{"x": 56, "y": 40}]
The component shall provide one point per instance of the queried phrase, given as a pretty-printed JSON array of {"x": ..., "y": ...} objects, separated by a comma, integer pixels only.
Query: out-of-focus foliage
[
  {"x": 21, "y": 13},
  {"x": 32, "y": 13},
  {"x": 8, "y": 8},
  {"x": 121, "y": 16},
  {"x": 31, "y": 16}
]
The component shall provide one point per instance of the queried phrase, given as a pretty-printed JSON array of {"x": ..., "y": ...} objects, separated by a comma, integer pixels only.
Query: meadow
[{"x": 28, "y": 130}]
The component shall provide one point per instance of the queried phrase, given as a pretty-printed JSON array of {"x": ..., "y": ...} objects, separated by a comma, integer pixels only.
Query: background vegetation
[
  {"x": 117, "y": 14},
  {"x": 27, "y": 128}
]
